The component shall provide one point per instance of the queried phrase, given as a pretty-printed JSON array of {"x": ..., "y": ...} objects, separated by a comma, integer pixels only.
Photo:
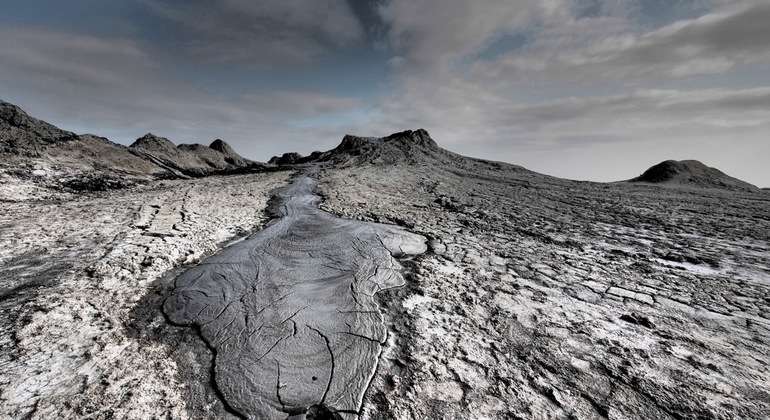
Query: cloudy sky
[{"x": 582, "y": 89}]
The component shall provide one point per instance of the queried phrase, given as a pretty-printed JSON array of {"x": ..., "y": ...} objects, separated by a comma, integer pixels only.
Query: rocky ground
[
  {"x": 548, "y": 298},
  {"x": 81, "y": 331},
  {"x": 538, "y": 297}
]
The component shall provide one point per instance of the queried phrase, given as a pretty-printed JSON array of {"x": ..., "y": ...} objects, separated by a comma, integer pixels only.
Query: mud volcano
[{"x": 290, "y": 311}]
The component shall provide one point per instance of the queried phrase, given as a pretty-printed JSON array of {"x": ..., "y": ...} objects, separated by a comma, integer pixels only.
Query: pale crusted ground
[
  {"x": 77, "y": 276},
  {"x": 540, "y": 297},
  {"x": 547, "y": 298}
]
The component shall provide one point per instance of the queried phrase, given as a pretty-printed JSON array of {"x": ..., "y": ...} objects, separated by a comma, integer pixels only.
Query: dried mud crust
[
  {"x": 548, "y": 298},
  {"x": 80, "y": 320},
  {"x": 291, "y": 312}
]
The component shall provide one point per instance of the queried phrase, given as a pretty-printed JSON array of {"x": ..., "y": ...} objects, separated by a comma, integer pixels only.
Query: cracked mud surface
[
  {"x": 290, "y": 311},
  {"x": 549, "y": 298},
  {"x": 73, "y": 273},
  {"x": 538, "y": 297}
]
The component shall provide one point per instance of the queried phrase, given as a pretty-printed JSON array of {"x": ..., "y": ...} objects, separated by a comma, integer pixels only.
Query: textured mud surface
[
  {"x": 538, "y": 297},
  {"x": 290, "y": 311},
  {"x": 548, "y": 298},
  {"x": 78, "y": 338}
]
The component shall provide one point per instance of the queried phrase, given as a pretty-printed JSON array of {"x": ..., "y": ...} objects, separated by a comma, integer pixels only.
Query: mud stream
[{"x": 290, "y": 311}]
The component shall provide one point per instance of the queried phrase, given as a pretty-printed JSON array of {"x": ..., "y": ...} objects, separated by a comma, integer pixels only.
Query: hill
[
  {"x": 189, "y": 159},
  {"x": 37, "y": 155},
  {"x": 410, "y": 147},
  {"x": 691, "y": 173}
]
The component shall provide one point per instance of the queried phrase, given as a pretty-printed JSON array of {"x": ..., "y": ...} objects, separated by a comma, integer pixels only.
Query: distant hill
[
  {"x": 43, "y": 154},
  {"x": 410, "y": 147},
  {"x": 691, "y": 173},
  {"x": 189, "y": 159}
]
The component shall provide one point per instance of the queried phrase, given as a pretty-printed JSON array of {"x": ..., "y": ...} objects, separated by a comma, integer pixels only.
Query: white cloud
[
  {"x": 608, "y": 47},
  {"x": 612, "y": 50}
]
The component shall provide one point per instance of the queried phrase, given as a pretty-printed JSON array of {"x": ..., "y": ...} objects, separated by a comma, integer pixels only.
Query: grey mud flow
[{"x": 290, "y": 311}]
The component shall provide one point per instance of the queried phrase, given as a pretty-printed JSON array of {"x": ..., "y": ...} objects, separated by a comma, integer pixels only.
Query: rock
[
  {"x": 190, "y": 159},
  {"x": 154, "y": 144},
  {"x": 286, "y": 159},
  {"x": 231, "y": 156},
  {"x": 23, "y": 135},
  {"x": 638, "y": 320}
]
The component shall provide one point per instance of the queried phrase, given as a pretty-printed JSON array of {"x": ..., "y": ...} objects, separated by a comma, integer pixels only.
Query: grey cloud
[
  {"x": 436, "y": 36},
  {"x": 574, "y": 136},
  {"x": 612, "y": 51},
  {"x": 743, "y": 31},
  {"x": 111, "y": 87},
  {"x": 258, "y": 34},
  {"x": 82, "y": 60},
  {"x": 712, "y": 43}
]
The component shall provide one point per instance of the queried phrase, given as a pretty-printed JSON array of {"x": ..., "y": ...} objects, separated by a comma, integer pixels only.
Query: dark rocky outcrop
[
  {"x": 26, "y": 136},
  {"x": 231, "y": 156},
  {"x": 30, "y": 147},
  {"x": 288, "y": 158},
  {"x": 691, "y": 173},
  {"x": 189, "y": 159},
  {"x": 406, "y": 147}
]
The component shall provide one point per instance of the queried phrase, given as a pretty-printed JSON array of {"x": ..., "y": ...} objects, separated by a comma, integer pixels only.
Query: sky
[{"x": 583, "y": 89}]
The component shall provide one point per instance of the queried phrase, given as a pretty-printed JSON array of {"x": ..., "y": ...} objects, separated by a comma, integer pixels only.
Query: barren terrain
[
  {"x": 549, "y": 298},
  {"x": 538, "y": 297},
  {"x": 81, "y": 332}
]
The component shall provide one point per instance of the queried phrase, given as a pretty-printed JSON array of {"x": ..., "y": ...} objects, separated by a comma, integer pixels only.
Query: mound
[
  {"x": 288, "y": 158},
  {"x": 407, "y": 147},
  {"x": 231, "y": 157},
  {"x": 691, "y": 173},
  {"x": 411, "y": 147}
]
